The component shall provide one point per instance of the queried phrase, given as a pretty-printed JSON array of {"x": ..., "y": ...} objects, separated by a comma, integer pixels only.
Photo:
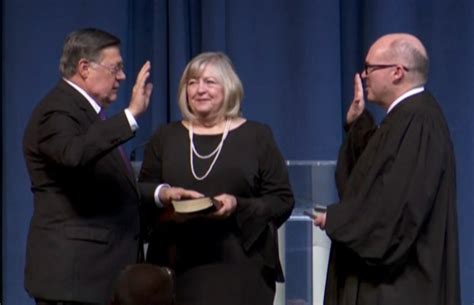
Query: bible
[{"x": 198, "y": 205}]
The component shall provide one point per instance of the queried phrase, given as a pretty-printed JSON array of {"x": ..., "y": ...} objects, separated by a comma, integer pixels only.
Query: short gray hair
[
  {"x": 416, "y": 59},
  {"x": 84, "y": 44}
]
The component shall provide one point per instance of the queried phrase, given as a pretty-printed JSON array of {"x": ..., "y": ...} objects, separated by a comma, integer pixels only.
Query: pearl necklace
[{"x": 216, "y": 152}]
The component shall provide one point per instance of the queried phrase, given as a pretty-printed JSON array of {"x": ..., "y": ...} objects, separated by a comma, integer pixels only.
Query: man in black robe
[{"x": 394, "y": 231}]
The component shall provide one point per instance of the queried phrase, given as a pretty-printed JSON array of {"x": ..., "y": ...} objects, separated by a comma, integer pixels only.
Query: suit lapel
[{"x": 114, "y": 155}]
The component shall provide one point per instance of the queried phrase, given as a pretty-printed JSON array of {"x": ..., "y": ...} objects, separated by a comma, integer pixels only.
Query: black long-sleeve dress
[
  {"x": 232, "y": 261},
  {"x": 394, "y": 231}
]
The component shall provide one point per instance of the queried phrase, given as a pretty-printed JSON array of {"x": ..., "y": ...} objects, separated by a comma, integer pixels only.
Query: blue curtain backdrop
[{"x": 296, "y": 60}]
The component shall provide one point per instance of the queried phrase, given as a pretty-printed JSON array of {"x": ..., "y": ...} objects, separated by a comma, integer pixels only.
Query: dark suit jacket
[{"x": 85, "y": 224}]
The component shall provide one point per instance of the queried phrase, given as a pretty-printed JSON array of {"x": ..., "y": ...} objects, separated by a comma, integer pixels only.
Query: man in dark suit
[{"x": 85, "y": 224}]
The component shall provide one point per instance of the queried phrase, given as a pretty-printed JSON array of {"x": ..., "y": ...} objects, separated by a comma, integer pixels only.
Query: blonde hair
[{"x": 233, "y": 90}]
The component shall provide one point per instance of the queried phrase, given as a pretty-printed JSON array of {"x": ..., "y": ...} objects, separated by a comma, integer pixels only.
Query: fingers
[
  {"x": 142, "y": 76},
  {"x": 140, "y": 83},
  {"x": 320, "y": 220},
  {"x": 358, "y": 104},
  {"x": 358, "y": 90},
  {"x": 141, "y": 92},
  {"x": 226, "y": 205},
  {"x": 356, "y": 84},
  {"x": 144, "y": 73},
  {"x": 177, "y": 193},
  {"x": 148, "y": 90}
]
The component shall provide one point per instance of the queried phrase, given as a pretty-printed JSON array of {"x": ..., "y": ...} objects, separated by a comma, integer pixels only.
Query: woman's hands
[
  {"x": 168, "y": 193},
  {"x": 225, "y": 204}
]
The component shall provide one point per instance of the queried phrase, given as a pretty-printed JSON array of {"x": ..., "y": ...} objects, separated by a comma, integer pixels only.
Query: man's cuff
[
  {"x": 157, "y": 194},
  {"x": 131, "y": 120}
]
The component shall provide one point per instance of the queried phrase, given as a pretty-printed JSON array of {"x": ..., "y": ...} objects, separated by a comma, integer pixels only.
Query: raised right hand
[
  {"x": 141, "y": 91},
  {"x": 358, "y": 103}
]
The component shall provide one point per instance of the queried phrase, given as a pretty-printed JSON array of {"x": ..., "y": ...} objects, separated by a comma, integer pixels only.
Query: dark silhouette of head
[{"x": 144, "y": 284}]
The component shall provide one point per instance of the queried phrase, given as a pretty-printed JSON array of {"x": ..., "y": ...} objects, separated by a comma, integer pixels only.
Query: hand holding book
[
  {"x": 221, "y": 206},
  {"x": 182, "y": 204},
  {"x": 168, "y": 194},
  {"x": 196, "y": 205},
  {"x": 226, "y": 206}
]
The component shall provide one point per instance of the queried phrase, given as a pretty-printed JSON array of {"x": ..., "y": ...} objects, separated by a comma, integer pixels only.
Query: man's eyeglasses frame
[
  {"x": 369, "y": 68},
  {"x": 114, "y": 70}
]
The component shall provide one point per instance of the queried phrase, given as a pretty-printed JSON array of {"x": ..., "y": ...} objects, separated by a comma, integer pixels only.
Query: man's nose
[{"x": 121, "y": 75}]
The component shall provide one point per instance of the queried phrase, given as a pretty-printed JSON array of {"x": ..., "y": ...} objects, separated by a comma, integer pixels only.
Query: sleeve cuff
[
  {"x": 157, "y": 194},
  {"x": 131, "y": 120}
]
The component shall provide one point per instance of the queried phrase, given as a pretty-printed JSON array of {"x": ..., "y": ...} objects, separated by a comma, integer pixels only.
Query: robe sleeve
[
  {"x": 390, "y": 191},
  {"x": 356, "y": 139}
]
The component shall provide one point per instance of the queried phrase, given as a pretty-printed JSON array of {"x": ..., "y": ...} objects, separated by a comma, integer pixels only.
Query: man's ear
[
  {"x": 399, "y": 73},
  {"x": 83, "y": 68}
]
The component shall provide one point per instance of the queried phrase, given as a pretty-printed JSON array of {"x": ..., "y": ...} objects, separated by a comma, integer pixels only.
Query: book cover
[{"x": 188, "y": 206}]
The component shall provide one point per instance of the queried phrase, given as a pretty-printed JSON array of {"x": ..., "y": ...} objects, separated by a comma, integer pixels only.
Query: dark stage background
[{"x": 296, "y": 59}]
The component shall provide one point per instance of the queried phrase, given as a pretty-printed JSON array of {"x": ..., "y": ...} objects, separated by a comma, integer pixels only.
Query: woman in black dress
[{"x": 229, "y": 256}]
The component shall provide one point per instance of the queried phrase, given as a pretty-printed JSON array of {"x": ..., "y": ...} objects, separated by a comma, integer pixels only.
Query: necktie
[{"x": 125, "y": 160}]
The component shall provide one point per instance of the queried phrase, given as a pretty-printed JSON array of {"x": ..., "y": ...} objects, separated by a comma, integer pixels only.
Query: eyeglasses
[
  {"x": 114, "y": 70},
  {"x": 368, "y": 68}
]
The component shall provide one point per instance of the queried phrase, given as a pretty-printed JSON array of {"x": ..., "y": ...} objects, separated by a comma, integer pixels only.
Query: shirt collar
[
  {"x": 404, "y": 96},
  {"x": 93, "y": 103}
]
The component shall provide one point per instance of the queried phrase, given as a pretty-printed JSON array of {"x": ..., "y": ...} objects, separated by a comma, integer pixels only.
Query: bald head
[{"x": 407, "y": 50}]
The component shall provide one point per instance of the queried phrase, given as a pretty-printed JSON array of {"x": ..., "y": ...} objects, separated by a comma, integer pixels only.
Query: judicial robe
[{"x": 394, "y": 231}]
